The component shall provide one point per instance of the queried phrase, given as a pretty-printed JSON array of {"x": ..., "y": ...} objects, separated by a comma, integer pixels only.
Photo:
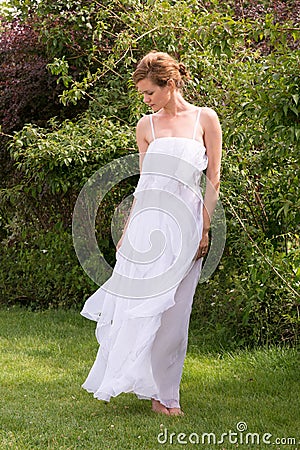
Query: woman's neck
[{"x": 176, "y": 105}]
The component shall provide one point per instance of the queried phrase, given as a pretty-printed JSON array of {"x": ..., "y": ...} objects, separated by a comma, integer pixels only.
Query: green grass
[{"x": 45, "y": 356}]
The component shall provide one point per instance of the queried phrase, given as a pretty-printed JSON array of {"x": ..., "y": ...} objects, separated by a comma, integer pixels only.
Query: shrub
[{"x": 41, "y": 271}]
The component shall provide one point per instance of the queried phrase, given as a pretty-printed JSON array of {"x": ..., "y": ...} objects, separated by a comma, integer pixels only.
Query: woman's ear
[{"x": 171, "y": 84}]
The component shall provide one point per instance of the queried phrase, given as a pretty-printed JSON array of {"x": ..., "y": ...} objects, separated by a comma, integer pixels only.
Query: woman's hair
[{"x": 160, "y": 67}]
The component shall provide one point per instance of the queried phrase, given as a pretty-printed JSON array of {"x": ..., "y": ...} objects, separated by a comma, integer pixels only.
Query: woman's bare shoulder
[
  {"x": 208, "y": 113},
  {"x": 209, "y": 119},
  {"x": 143, "y": 128},
  {"x": 143, "y": 123}
]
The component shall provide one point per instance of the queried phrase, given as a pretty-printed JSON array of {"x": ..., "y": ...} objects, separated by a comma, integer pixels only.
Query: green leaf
[{"x": 295, "y": 97}]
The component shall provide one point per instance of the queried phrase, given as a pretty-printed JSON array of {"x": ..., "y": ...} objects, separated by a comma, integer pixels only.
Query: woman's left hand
[{"x": 203, "y": 246}]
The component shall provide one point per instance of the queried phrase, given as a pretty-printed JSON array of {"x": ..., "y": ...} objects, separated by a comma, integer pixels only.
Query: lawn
[{"x": 45, "y": 356}]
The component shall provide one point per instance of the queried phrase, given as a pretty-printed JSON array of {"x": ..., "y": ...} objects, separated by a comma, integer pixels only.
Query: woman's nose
[{"x": 146, "y": 99}]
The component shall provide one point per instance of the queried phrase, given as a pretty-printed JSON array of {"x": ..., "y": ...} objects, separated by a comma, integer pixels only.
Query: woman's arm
[
  {"x": 142, "y": 146},
  {"x": 213, "y": 143}
]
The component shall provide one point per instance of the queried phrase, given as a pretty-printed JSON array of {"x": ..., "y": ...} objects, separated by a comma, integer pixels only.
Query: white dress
[{"x": 143, "y": 310}]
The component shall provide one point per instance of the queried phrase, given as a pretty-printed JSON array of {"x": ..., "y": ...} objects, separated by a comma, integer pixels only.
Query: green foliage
[
  {"x": 41, "y": 271},
  {"x": 65, "y": 157},
  {"x": 246, "y": 301},
  {"x": 247, "y": 69},
  {"x": 52, "y": 168}
]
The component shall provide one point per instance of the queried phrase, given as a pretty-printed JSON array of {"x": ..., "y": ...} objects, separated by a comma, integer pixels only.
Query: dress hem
[{"x": 101, "y": 396}]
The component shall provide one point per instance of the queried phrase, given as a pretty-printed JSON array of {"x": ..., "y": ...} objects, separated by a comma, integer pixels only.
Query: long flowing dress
[{"x": 143, "y": 310}]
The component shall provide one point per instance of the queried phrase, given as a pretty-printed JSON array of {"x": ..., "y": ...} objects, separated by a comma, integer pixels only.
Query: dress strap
[
  {"x": 152, "y": 126},
  {"x": 196, "y": 123}
]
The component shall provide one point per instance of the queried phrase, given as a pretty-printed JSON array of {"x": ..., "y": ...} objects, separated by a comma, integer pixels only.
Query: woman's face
[{"x": 154, "y": 96}]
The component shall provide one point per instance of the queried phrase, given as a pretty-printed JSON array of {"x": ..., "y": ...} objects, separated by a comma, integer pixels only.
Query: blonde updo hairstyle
[{"x": 160, "y": 67}]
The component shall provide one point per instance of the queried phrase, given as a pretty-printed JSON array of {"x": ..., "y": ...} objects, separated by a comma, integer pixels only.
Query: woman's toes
[
  {"x": 176, "y": 412},
  {"x": 159, "y": 408}
]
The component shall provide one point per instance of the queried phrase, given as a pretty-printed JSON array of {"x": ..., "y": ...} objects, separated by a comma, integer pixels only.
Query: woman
[{"x": 143, "y": 311}]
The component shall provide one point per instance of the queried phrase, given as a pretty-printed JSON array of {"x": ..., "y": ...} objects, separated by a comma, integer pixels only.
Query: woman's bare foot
[
  {"x": 159, "y": 408},
  {"x": 175, "y": 412}
]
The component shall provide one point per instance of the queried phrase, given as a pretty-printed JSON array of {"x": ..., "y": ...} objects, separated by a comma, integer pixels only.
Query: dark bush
[{"x": 28, "y": 92}]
